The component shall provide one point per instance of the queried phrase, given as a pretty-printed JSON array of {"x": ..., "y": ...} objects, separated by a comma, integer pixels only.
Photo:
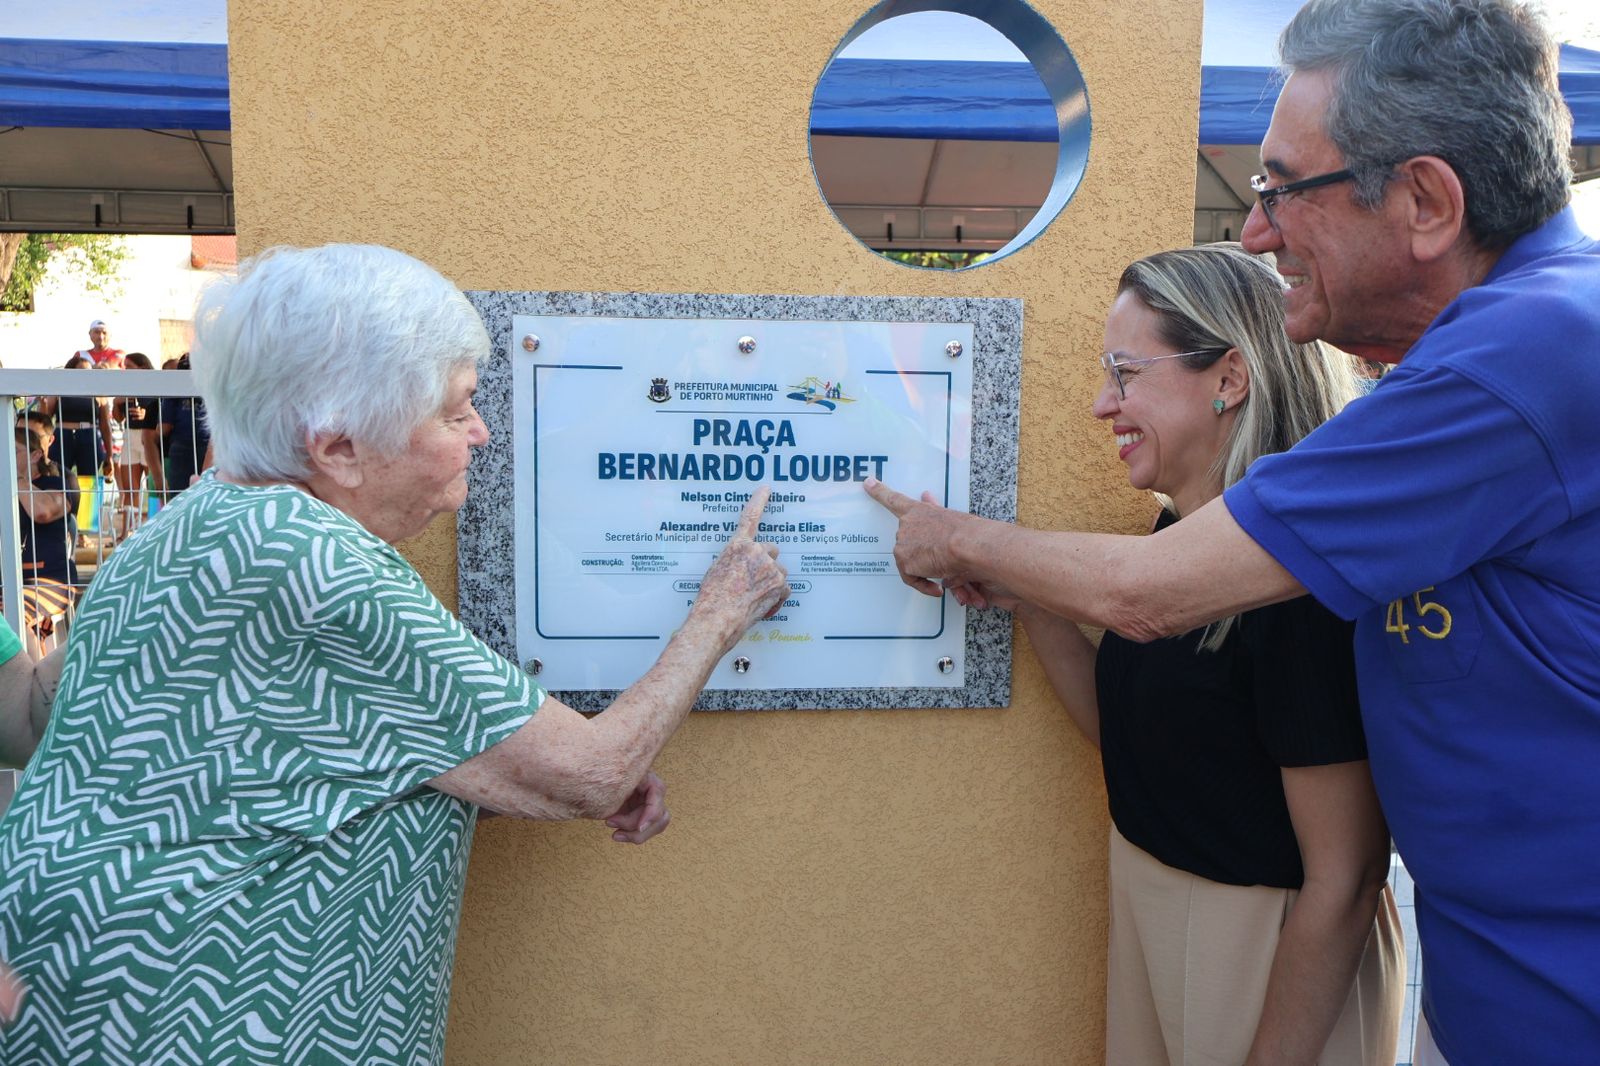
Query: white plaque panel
[{"x": 637, "y": 440}]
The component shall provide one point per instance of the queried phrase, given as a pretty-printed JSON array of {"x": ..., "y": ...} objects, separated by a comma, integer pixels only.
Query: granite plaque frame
[{"x": 487, "y": 525}]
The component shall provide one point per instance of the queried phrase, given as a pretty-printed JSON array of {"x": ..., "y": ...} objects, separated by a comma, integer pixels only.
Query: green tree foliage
[
  {"x": 938, "y": 260},
  {"x": 95, "y": 257}
]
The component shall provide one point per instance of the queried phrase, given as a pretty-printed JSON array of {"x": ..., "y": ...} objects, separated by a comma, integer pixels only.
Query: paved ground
[{"x": 1404, "y": 893}]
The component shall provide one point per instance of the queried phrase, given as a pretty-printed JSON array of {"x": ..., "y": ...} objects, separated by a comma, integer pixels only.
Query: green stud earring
[{"x": 1218, "y": 406}]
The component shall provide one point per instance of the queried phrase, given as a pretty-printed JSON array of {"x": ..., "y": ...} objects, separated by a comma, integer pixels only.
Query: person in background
[
  {"x": 100, "y": 353},
  {"x": 42, "y": 515},
  {"x": 187, "y": 433},
  {"x": 26, "y": 691},
  {"x": 45, "y": 426},
  {"x": 151, "y": 443},
  {"x": 166, "y": 419},
  {"x": 1251, "y": 921},
  {"x": 83, "y": 429},
  {"x": 133, "y": 461},
  {"x": 254, "y": 845},
  {"x": 45, "y": 535}
]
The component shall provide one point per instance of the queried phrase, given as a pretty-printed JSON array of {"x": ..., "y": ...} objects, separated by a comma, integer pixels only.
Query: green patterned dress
[{"x": 224, "y": 851}]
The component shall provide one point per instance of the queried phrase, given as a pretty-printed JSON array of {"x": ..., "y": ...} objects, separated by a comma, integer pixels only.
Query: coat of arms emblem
[{"x": 659, "y": 393}]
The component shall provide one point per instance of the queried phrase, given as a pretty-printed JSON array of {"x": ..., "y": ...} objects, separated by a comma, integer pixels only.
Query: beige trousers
[{"x": 1189, "y": 962}]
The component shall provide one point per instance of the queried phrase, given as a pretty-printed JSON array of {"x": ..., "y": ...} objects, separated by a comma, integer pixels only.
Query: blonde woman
[{"x": 1250, "y": 916}]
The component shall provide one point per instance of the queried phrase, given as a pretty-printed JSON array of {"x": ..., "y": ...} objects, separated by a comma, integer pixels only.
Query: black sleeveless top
[{"x": 1192, "y": 742}]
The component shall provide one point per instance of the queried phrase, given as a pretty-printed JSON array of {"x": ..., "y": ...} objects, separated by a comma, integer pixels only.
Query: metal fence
[{"x": 110, "y": 439}]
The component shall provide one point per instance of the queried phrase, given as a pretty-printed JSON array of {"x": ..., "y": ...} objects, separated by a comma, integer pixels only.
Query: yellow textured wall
[{"x": 861, "y": 887}]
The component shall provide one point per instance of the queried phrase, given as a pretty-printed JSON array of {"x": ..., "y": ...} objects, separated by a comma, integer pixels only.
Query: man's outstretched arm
[{"x": 1201, "y": 569}]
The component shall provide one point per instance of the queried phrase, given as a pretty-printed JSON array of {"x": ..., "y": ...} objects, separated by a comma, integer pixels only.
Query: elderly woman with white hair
[{"x": 245, "y": 834}]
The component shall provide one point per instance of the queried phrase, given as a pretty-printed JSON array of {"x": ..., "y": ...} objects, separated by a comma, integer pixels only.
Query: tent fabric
[
  {"x": 1236, "y": 102},
  {"x": 933, "y": 99},
  {"x": 113, "y": 84},
  {"x": 1007, "y": 102},
  {"x": 145, "y": 85},
  {"x": 1580, "y": 86}
]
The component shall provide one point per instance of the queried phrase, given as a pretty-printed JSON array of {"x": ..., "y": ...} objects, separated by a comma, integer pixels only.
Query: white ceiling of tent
[
  {"x": 116, "y": 180},
  {"x": 924, "y": 189}
]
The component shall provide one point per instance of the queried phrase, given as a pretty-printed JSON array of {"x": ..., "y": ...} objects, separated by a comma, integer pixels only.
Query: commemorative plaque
[{"x": 627, "y": 437}]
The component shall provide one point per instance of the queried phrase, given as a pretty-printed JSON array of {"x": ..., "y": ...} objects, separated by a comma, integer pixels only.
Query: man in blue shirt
[{"x": 1415, "y": 198}]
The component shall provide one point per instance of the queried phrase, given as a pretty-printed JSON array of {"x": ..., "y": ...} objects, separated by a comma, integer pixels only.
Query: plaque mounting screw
[
  {"x": 953, "y": 349},
  {"x": 747, "y": 345},
  {"x": 534, "y": 667},
  {"x": 741, "y": 665},
  {"x": 947, "y": 664},
  {"x": 530, "y": 343}
]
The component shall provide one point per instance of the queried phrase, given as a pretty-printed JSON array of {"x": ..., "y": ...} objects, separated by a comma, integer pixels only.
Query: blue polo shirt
[{"x": 1455, "y": 515}]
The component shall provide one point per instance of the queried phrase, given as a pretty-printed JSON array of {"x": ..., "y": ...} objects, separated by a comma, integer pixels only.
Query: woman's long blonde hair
[{"x": 1218, "y": 296}]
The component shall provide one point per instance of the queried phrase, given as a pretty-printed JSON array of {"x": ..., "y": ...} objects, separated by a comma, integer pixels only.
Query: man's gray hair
[
  {"x": 351, "y": 339},
  {"x": 1470, "y": 81}
]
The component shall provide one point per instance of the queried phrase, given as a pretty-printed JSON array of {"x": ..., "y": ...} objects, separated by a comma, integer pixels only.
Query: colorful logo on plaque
[
  {"x": 813, "y": 391},
  {"x": 659, "y": 393}
]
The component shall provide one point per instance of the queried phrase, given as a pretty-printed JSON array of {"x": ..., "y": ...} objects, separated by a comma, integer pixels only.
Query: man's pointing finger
[{"x": 897, "y": 503}]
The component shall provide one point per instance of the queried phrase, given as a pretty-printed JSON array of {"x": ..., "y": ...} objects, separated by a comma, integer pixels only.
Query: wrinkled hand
[
  {"x": 922, "y": 542},
  {"x": 746, "y": 582},
  {"x": 983, "y": 595},
  {"x": 643, "y": 814}
]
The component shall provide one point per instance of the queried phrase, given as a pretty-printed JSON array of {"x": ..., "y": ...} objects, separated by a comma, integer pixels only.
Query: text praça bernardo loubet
[{"x": 770, "y": 458}]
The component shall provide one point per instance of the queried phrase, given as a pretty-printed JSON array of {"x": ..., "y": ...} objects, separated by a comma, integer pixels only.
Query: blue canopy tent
[
  {"x": 1006, "y": 102},
  {"x": 127, "y": 137},
  {"x": 915, "y": 123},
  {"x": 132, "y": 136},
  {"x": 1236, "y": 102},
  {"x": 983, "y": 101}
]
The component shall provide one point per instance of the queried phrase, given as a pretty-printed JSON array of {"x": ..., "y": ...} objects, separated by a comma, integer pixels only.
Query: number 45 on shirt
[{"x": 1433, "y": 628}]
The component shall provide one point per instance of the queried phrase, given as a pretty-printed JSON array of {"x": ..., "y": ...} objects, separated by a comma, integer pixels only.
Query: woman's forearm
[
  {"x": 633, "y": 730},
  {"x": 1319, "y": 951},
  {"x": 1068, "y": 660},
  {"x": 1344, "y": 846}
]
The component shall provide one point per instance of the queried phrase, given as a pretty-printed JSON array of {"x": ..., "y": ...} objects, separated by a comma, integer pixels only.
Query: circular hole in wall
[{"x": 949, "y": 133}]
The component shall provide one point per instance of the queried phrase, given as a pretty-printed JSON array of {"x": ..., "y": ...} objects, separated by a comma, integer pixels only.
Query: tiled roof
[{"x": 214, "y": 253}]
